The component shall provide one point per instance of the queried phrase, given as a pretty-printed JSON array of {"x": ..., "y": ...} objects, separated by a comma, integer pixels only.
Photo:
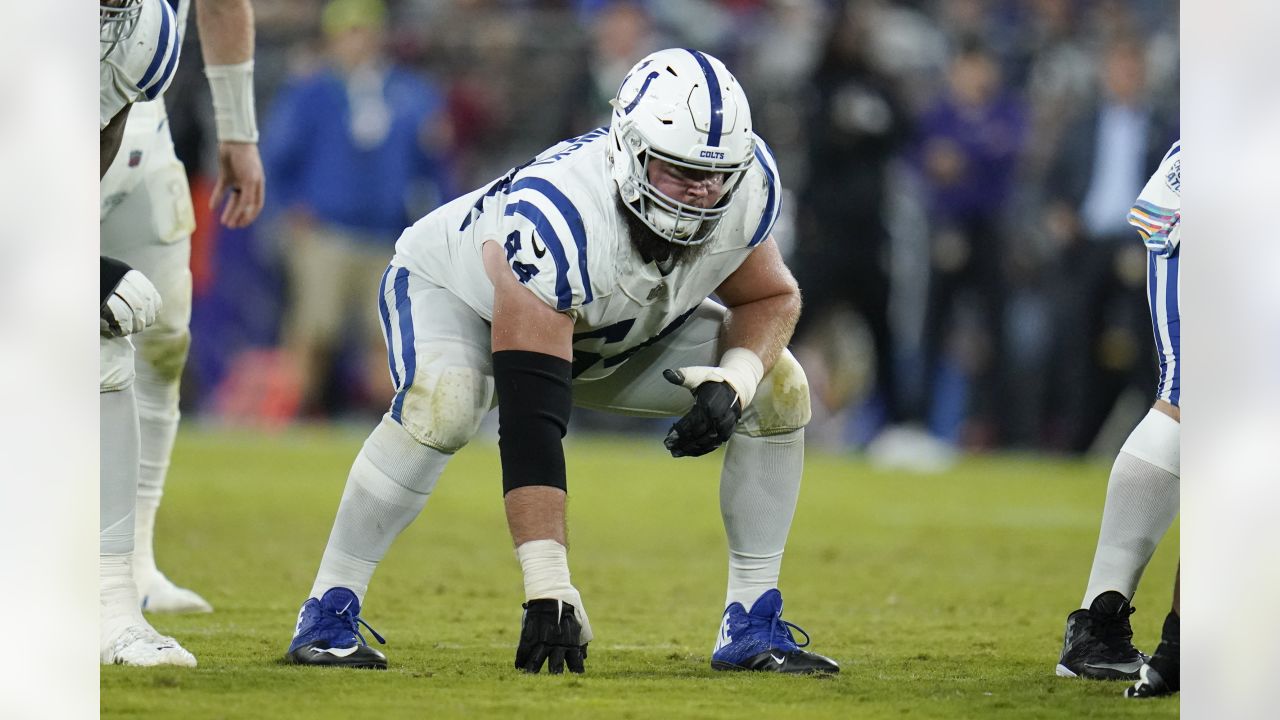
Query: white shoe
[
  {"x": 142, "y": 646},
  {"x": 911, "y": 448},
  {"x": 162, "y": 596}
]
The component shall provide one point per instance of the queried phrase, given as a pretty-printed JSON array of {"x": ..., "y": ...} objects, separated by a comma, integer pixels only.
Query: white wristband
[
  {"x": 546, "y": 575},
  {"x": 743, "y": 370},
  {"x": 233, "y": 109}
]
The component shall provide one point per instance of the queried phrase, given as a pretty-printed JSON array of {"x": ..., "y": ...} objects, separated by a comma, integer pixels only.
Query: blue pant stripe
[
  {"x": 1172, "y": 321},
  {"x": 1152, "y": 287},
  {"x": 386, "y": 328},
  {"x": 407, "y": 352}
]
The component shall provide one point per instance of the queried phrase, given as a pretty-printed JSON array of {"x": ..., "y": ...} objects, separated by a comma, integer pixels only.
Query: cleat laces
[
  {"x": 345, "y": 621},
  {"x": 780, "y": 635},
  {"x": 1115, "y": 632}
]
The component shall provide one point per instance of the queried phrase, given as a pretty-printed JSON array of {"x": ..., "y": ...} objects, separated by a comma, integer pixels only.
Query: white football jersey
[
  {"x": 566, "y": 239},
  {"x": 1158, "y": 212},
  {"x": 141, "y": 66}
]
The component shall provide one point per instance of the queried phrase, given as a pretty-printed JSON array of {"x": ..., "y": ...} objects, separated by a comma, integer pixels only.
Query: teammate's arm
[
  {"x": 110, "y": 138},
  {"x": 764, "y": 304},
  {"x": 226, "y": 41},
  {"x": 532, "y": 351}
]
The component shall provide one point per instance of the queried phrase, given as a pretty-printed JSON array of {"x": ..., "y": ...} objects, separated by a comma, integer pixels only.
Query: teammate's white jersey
[
  {"x": 141, "y": 66},
  {"x": 566, "y": 239},
  {"x": 146, "y": 138},
  {"x": 1158, "y": 212}
]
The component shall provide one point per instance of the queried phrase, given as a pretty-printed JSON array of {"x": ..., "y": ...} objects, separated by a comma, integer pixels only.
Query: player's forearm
[
  {"x": 763, "y": 326},
  {"x": 226, "y": 40},
  {"x": 226, "y": 31}
]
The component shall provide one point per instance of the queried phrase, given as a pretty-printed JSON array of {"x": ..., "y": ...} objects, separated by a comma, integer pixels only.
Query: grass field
[{"x": 941, "y": 596}]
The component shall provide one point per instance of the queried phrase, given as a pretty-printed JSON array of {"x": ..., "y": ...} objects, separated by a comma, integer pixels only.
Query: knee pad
[
  {"x": 444, "y": 410},
  {"x": 115, "y": 364},
  {"x": 781, "y": 404},
  {"x": 1156, "y": 441}
]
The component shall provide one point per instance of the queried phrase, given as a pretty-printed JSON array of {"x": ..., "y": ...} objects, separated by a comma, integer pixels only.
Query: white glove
[
  {"x": 132, "y": 306},
  {"x": 739, "y": 367}
]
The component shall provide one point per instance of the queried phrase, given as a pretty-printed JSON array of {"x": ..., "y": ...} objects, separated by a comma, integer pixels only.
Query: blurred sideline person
[
  {"x": 855, "y": 128},
  {"x": 969, "y": 143},
  {"x": 138, "y": 51},
  {"x": 347, "y": 148},
  {"x": 1101, "y": 162},
  {"x": 583, "y": 277},
  {"x": 147, "y": 220},
  {"x": 1142, "y": 494}
]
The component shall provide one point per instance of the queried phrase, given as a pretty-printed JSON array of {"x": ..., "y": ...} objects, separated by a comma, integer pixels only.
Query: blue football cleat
[
  {"x": 761, "y": 640},
  {"x": 328, "y": 634}
]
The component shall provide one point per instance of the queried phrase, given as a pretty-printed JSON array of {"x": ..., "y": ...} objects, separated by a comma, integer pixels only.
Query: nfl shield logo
[{"x": 135, "y": 157}]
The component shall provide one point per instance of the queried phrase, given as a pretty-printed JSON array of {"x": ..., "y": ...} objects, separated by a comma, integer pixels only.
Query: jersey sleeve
[
  {"x": 1157, "y": 214},
  {"x": 544, "y": 237},
  {"x": 767, "y": 193},
  {"x": 142, "y": 65}
]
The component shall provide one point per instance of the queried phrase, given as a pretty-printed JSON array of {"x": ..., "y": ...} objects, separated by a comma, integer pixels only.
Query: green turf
[{"x": 941, "y": 596}]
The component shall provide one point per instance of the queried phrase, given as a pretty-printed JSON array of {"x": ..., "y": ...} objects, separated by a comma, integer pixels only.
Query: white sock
[
  {"x": 759, "y": 487},
  {"x": 388, "y": 486},
  {"x": 118, "y": 470},
  {"x": 158, "y": 418},
  {"x": 1142, "y": 501},
  {"x": 117, "y": 596}
]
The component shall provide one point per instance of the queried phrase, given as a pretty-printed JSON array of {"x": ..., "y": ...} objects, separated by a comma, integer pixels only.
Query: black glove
[
  {"x": 550, "y": 632},
  {"x": 709, "y": 423}
]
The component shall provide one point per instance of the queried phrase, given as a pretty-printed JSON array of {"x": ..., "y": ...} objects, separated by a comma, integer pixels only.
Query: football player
[
  {"x": 147, "y": 220},
  {"x": 139, "y": 51},
  {"x": 583, "y": 277},
  {"x": 1142, "y": 493}
]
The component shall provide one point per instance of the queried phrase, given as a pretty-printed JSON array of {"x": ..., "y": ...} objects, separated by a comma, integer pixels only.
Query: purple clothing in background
[{"x": 989, "y": 139}]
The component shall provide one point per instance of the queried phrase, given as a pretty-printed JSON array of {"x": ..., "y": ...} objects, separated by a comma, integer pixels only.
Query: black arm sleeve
[
  {"x": 534, "y": 400},
  {"x": 113, "y": 271}
]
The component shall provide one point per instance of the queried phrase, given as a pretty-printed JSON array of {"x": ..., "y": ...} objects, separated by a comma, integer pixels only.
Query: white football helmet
[
  {"x": 686, "y": 108},
  {"x": 116, "y": 22}
]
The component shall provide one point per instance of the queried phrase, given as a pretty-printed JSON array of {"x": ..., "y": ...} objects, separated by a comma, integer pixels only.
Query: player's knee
[
  {"x": 163, "y": 352},
  {"x": 782, "y": 401},
  {"x": 444, "y": 412},
  {"x": 115, "y": 364},
  {"x": 163, "y": 347}
]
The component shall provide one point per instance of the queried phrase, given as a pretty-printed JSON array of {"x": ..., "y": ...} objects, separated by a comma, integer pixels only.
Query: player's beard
[{"x": 656, "y": 249}]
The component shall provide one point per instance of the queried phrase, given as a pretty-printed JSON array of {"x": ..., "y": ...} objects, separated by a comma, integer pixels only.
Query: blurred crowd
[{"x": 957, "y": 178}]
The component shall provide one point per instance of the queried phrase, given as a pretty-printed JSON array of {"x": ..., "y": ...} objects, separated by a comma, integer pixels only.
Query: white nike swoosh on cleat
[
  {"x": 336, "y": 652},
  {"x": 777, "y": 659},
  {"x": 1122, "y": 667}
]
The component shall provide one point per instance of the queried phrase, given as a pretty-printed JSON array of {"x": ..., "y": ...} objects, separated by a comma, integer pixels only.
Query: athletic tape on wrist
[
  {"x": 233, "y": 105},
  {"x": 545, "y": 564},
  {"x": 744, "y": 370}
]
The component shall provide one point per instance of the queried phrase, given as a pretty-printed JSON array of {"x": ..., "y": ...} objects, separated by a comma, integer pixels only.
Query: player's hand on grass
[
  {"x": 550, "y": 633},
  {"x": 710, "y": 422}
]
